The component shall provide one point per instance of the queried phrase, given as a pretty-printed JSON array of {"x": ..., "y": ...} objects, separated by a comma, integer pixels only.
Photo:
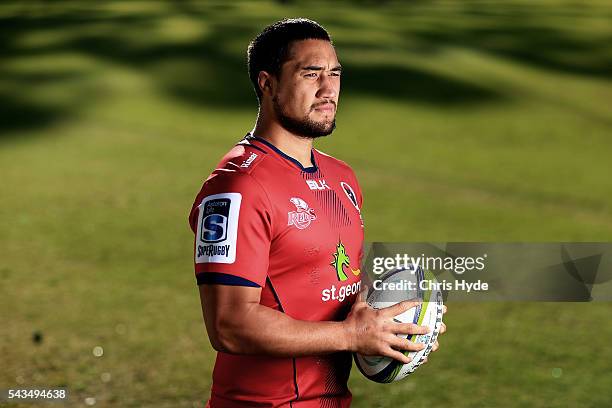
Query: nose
[{"x": 328, "y": 88}]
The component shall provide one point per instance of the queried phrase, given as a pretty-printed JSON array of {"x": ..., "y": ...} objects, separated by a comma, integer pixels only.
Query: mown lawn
[{"x": 465, "y": 121}]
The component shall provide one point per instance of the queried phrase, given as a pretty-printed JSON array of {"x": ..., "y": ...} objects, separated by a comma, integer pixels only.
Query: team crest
[
  {"x": 348, "y": 190},
  {"x": 303, "y": 214},
  {"x": 350, "y": 193}
]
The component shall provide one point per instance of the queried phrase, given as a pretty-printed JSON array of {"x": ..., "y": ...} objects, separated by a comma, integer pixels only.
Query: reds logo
[{"x": 303, "y": 215}]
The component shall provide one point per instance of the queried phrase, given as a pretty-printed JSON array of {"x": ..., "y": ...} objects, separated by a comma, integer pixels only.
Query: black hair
[{"x": 270, "y": 49}]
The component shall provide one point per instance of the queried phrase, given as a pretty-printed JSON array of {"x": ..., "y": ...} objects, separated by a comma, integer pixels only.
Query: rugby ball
[{"x": 393, "y": 287}]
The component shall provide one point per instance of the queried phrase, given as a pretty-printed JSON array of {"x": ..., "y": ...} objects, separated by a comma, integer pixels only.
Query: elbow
[
  {"x": 217, "y": 344},
  {"x": 225, "y": 343},
  {"x": 225, "y": 338}
]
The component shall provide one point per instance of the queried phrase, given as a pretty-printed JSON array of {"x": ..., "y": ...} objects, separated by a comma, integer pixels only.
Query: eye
[
  {"x": 335, "y": 74},
  {"x": 311, "y": 75}
]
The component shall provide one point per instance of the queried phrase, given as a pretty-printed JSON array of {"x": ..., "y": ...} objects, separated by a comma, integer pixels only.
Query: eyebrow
[{"x": 337, "y": 68}]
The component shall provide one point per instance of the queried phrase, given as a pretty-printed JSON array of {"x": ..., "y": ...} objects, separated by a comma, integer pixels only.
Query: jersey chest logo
[
  {"x": 303, "y": 214},
  {"x": 317, "y": 185},
  {"x": 341, "y": 260}
]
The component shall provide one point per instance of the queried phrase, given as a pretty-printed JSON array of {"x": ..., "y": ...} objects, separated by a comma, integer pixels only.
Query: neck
[{"x": 298, "y": 147}]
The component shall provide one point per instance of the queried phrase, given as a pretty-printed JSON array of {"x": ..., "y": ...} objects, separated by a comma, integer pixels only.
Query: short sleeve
[{"x": 232, "y": 225}]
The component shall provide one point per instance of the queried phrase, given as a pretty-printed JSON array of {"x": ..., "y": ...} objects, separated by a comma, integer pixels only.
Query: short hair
[{"x": 270, "y": 49}]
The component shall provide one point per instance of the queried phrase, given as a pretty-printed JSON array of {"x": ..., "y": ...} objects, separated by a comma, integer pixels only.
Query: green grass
[{"x": 464, "y": 121}]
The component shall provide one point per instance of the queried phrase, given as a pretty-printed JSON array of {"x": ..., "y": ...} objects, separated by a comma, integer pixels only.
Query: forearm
[{"x": 262, "y": 330}]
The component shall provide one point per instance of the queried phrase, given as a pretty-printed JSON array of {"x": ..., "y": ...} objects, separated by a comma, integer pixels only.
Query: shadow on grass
[
  {"x": 27, "y": 104},
  {"x": 534, "y": 46},
  {"x": 22, "y": 114},
  {"x": 206, "y": 71}
]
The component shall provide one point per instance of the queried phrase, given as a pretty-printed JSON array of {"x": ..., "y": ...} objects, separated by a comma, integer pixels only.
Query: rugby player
[{"x": 279, "y": 239}]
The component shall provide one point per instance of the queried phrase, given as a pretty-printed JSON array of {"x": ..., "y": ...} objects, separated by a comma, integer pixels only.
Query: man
[{"x": 279, "y": 242}]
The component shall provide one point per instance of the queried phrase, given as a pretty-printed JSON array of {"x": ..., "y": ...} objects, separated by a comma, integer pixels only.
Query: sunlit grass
[{"x": 114, "y": 113}]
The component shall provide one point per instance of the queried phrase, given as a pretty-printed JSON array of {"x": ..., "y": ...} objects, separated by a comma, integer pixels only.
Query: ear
[{"x": 265, "y": 82}]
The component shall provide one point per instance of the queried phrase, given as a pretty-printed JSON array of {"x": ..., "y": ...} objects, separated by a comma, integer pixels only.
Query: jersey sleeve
[{"x": 232, "y": 225}]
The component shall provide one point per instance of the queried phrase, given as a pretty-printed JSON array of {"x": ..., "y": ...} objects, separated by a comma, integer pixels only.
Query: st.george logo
[
  {"x": 214, "y": 220},
  {"x": 341, "y": 260},
  {"x": 303, "y": 214}
]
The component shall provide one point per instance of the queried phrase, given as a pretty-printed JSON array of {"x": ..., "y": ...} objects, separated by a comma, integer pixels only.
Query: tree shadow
[
  {"x": 22, "y": 107},
  {"x": 25, "y": 93},
  {"x": 407, "y": 84},
  {"x": 19, "y": 114},
  {"x": 528, "y": 35},
  {"x": 210, "y": 71}
]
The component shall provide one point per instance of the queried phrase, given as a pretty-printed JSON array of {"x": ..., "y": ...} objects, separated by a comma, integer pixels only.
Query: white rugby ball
[{"x": 429, "y": 313}]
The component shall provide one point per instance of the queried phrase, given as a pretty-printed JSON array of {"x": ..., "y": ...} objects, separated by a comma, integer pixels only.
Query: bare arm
[{"x": 238, "y": 324}]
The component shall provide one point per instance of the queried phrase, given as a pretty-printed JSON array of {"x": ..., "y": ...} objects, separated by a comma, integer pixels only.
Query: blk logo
[{"x": 317, "y": 185}]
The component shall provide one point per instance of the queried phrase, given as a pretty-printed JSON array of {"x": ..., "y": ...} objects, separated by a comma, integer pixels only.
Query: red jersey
[{"x": 263, "y": 220}]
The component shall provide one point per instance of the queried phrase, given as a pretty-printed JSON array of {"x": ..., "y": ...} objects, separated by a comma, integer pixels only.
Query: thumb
[{"x": 363, "y": 294}]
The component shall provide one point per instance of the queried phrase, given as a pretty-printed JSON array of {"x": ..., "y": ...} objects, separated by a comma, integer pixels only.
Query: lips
[{"x": 326, "y": 107}]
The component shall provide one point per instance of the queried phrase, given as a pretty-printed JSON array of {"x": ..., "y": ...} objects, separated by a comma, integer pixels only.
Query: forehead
[{"x": 312, "y": 52}]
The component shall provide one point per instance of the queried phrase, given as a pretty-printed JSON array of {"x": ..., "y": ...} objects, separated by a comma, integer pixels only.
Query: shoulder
[
  {"x": 237, "y": 172},
  {"x": 242, "y": 158},
  {"x": 338, "y": 166},
  {"x": 240, "y": 167},
  {"x": 234, "y": 180}
]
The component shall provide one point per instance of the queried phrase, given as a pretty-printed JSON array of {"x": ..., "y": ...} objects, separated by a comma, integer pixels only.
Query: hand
[{"x": 372, "y": 332}]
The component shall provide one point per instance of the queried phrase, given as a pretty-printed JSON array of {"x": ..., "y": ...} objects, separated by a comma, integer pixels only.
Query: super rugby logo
[
  {"x": 303, "y": 214},
  {"x": 217, "y": 228},
  {"x": 214, "y": 222}
]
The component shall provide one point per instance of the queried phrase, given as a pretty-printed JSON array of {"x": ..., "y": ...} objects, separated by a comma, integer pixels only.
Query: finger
[
  {"x": 442, "y": 328},
  {"x": 444, "y": 309},
  {"x": 399, "y": 308},
  {"x": 435, "y": 346},
  {"x": 404, "y": 344},
  {"x": 425, "y": 360},
  {"x": 361, "y": 298},
  {"x": 396, "y": 355},
  {"x": 409, "y": 328},
  {"x": 363, "y": 294}
]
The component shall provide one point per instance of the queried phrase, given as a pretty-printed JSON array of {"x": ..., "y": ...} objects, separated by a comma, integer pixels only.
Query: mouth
[{"x": 325, "y": 107}]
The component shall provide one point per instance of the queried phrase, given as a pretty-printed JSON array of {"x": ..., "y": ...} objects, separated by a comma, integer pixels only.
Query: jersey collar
[{"x": 311, "y": 169}]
